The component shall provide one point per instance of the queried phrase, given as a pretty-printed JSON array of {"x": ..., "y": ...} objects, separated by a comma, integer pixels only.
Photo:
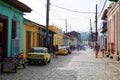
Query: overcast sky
[{"x": 76, "y": 21}]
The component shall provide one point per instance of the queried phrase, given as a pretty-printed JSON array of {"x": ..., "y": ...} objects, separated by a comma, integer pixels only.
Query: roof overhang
[
  {"x": 19, "y": 5},
  {"x": 104, "y": 14}
]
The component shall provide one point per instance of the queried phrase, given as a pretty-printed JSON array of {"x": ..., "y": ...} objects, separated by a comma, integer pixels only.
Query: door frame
[{"x": 4, "y": 45}]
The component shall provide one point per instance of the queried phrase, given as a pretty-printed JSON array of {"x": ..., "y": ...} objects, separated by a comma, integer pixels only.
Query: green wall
[{"x": 12, "y": 13}]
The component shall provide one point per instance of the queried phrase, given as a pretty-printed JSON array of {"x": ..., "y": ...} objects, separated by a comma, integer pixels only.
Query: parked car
[
  {"x": 62, "y": 50},
  {"x": 38, "y": 55},
  {"x": 68, "y": 49}
]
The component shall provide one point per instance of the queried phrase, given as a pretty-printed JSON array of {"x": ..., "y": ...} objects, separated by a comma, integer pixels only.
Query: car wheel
[
  {"x": 49, "y": 60},
  {"x": 29, "y": 63},
  {"x": 45, "y": 62},
  {"x": 66, "y": 53}
]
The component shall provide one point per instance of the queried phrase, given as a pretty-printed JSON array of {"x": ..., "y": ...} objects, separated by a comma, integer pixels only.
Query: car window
[
  {"x": 38, "y": 50},
  {"x": 62, "y": 48}
]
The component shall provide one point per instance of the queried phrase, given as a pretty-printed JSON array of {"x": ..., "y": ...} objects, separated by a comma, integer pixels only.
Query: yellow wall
[
  {"x": 58, "y": 36},
  {"x": 34, "y": 33},
  {"x": 55, "y": 29}
]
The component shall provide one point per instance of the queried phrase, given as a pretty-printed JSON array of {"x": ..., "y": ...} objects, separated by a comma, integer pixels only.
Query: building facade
[
  {"x": 67, "y": 40},
  {"x": 113, "y": 30},
  {"x": 31, "y": 34},
  {"x": 76, "y": 36},
  {"x": 58, "y": 36},
  {"x": 104, "y": 29},
  {"x": 11, "y": 26}
]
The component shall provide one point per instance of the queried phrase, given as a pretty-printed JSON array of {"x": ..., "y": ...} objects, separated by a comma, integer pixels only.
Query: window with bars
[
  {"x": 15, "y": 37},
  {"x": 14, "y": 26}
]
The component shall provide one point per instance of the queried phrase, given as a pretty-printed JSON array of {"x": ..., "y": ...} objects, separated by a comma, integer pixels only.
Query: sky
[{"x": 70, "y": 10}]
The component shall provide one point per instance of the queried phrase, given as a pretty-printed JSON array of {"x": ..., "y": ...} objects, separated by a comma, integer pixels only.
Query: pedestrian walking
[
  {"x": 97, "y": 48},
  {"x": 53, "y": 51},
  {"x": 78, "y": 47},
  {"x": 56, "y": 50},
  {"x": 103, "y": 50},
  {"x": 48, "y": 46},
  {"x": 70, "y": 46}
]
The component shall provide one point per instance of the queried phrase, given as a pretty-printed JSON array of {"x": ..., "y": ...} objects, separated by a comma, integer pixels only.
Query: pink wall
[{"x": 113, "y": 31}]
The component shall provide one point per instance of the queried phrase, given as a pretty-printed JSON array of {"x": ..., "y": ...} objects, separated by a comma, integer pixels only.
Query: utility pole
[
  {"x": 91, "y": 35},
  {"x": 47, "y": 20},
  {"x": 66, "y": 24},
  {"x": 91, "y": 27},
  {"x": 96, "y": 23}
]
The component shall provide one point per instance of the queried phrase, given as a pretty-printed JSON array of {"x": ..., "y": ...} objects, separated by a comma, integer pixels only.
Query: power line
[
  {"x": 38, "y": 13},
  {"x": 55, "y": 15},
  {"x": 41, "y": 2},
  {"x": 73, "y": 10},
  {"x": 70, "y": 18}
]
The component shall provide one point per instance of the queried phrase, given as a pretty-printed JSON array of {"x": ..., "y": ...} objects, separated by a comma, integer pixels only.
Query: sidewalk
[
  {"x": 113, "y": 63},
  {"x": 92, "y": 68}
]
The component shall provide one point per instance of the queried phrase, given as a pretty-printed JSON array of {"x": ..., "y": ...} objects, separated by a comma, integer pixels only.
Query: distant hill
[{"x": 84, "y": 35}]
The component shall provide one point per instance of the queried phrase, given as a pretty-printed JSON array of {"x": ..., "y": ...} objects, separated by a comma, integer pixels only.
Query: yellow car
[
  {"x": 38, "y": 55},
  {"x": 62, "y": 51}
]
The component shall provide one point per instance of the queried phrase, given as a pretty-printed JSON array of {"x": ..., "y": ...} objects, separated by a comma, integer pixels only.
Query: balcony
[{"x": 104, "y": 28}]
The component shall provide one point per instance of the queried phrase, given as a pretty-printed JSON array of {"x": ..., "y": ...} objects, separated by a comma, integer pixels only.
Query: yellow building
[
  {"x": 58, "y": 36},
  {"x": 30, "y": 35}
]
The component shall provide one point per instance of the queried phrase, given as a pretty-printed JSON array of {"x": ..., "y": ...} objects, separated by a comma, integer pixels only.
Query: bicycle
[{"x": 19, "y": 61}]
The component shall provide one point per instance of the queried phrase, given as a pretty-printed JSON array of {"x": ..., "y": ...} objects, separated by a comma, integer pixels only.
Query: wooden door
[{"x": 4, "y": 34}]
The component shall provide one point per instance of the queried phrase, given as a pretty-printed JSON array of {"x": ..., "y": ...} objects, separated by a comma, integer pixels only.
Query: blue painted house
[{"x": 11, "y": 26}]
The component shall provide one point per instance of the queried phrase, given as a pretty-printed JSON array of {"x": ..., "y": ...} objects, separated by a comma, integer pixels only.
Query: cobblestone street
[{"x": 80, "y": 65}]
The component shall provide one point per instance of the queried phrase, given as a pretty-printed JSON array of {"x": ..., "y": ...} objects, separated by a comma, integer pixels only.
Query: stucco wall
[
  {"x": 34, "y": 35},
  {"x": 12, "y": 13}
]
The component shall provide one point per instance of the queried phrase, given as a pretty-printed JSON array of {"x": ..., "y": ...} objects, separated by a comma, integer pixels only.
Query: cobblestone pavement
[{"x": 80, "y": 65}]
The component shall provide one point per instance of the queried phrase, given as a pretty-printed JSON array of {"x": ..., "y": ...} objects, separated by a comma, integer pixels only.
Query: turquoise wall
[{"x": 12, "y": 13}]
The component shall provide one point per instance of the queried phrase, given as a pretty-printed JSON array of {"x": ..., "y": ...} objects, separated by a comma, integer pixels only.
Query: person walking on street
[
  {"x": 48, "y": 46},
  {"x": 53, "y": 51},
  {"x": 56, "y": 50},
  {"x": 97, "y": 48},
  {"x": 103, "y": 50}
]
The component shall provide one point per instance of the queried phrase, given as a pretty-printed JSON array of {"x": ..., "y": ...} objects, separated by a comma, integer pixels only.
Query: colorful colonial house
[
  {"x": 113, "y": 30},
  {"x": 58, "y": 36},
  {"x": 43, "y": 36},
  {"x": 76, "y": 36},
  {"x": 31, "y": 35},
  {"x": 35, "y": 36},
  {"x": 67, "y": 40},
  {"x": 11, "y": 26}
]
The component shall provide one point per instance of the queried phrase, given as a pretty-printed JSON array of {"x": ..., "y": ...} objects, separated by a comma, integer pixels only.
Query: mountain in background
[{"x": 84, "y": 36}]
